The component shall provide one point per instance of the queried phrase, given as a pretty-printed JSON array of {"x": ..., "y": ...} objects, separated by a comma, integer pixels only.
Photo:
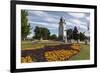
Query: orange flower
[
  {"x": 76, "y": 46},
  {"x": 59, "y": 55},
  {"x": 27, "y": 59}
]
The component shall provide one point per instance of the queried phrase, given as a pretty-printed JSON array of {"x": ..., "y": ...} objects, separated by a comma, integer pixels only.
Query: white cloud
[
  {"x": 44, "y": 24},
  {"x": 38, "y": 13},
  {"x": 80, "y": 26},
  {"x": 76, "y": 21},
  {"x": 77, "y": 15},
  {"x": 88, "y": 18},
  {"x": 69, "y": 23},
  {"x": 44, "y": 15},
  {"x": 50, "y": 19},
  {"x": 83, "y": 27}
]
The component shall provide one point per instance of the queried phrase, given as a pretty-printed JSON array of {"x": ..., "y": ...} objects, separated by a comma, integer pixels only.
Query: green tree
[
  {"x": 69, "y": 35},
  {"x": 25, "y": 27},
  {"x": 41, "y": 32},
  {"x": 45, "y": 33},
  {"x": 53, "y": 37},
  {"x": 37, "y": 33},
  {"x": 75, "y": 34},
  {"x": 82, "y": 36}
]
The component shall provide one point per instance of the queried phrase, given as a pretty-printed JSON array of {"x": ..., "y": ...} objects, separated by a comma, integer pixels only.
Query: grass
[
  {"x": 84, "y": 53},
  {"x": 26, "y": 45}
]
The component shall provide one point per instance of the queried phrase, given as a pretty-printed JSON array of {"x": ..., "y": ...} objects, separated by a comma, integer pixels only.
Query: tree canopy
[
  {"x": 82, "y": 36},
  {"x": 75, "y": 33},
  {"x": 25, "y": 27},
  {"x": 69, "y": 33},
  {"x": 41, "y": 32},
  {"x": 53, "y": 37}
]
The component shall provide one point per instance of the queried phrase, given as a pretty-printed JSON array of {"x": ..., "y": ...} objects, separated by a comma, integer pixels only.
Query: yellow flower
[
  {"x": 59, "y": 55},
  {"x": 27, "y": 59}
]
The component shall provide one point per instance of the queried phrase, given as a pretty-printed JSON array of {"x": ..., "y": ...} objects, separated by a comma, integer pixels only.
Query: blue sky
[{"x": 50, "y": 20}]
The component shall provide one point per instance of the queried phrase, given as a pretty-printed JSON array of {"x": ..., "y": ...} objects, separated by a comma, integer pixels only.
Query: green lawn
[
  {"x": 84, "y": 53},
  {"x": 25, "y": 45}
]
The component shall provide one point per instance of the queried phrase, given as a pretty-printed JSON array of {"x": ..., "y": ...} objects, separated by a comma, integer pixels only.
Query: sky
[{"x": 50, "y": 20}]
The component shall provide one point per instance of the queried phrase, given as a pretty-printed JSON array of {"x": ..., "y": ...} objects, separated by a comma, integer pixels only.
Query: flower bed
[
  {"x": 50, "y": 53},
  {"x": 59, "y": 55}
]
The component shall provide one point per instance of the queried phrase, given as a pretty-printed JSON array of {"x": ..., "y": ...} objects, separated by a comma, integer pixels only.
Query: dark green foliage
[
  {"x": 53, "y": 37},
  {"x": 41, "y": 32},
  {"x": 82, "y": 36},
  {"x": 25, "y": 27},
  {"x": 69, "y": 34},
  {"x": 75, "y": 33}
]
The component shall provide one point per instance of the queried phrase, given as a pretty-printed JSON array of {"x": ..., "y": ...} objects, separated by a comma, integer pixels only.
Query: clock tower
[{"x": 61, "y": 28}]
